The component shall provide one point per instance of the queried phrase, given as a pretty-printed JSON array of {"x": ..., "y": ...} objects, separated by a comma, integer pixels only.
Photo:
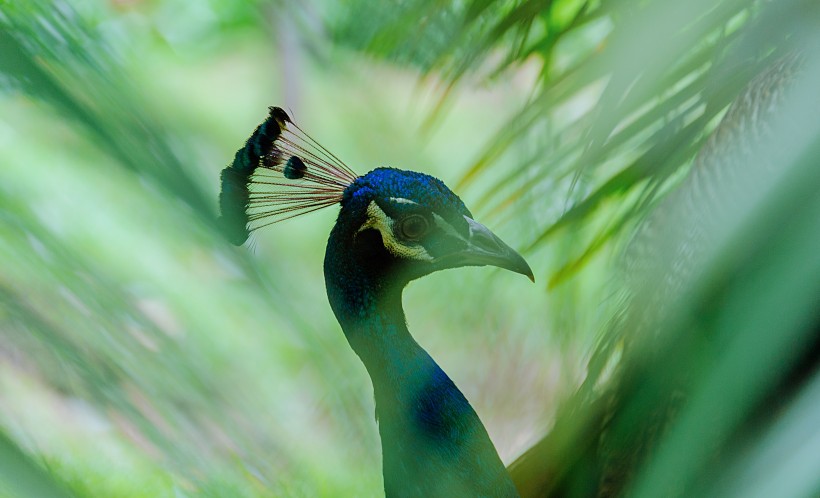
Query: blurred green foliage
[
  {"x": 142, "y": 356},
  {"x": 625, "y": 94}
]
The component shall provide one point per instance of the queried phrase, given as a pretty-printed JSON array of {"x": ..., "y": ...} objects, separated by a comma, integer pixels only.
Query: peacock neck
[
  {"x": 374, "y": 324},
  {"x": 433, "y": 443}
]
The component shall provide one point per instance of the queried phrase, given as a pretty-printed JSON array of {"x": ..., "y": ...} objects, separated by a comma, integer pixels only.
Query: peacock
[{"x": 394, "y": 226}]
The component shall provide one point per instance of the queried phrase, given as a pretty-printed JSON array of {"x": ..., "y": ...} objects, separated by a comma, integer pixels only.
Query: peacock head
[
  {"x": 407, "y": 224},
  {"x": 393, "y": 226}
]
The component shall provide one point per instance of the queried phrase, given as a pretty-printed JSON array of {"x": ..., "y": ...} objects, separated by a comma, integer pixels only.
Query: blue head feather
[{"x": 426, "y": 190}]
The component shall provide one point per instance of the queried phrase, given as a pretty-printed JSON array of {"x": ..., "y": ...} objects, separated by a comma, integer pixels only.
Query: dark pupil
[{"x": 413, "y": 227}]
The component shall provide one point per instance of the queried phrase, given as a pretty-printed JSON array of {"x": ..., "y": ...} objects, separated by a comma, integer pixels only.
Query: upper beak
[{"x": 485, "y": 248}]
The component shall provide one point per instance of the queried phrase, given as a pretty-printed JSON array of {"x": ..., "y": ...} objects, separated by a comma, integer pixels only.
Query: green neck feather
[{"x": 433, "y": 443}]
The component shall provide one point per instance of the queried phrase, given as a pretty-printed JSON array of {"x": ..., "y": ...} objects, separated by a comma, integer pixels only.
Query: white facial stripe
[
  {"x": 376, "y": 218},
  {"x": 402, "y": 200},
  {"x": 446, "y": 227}
]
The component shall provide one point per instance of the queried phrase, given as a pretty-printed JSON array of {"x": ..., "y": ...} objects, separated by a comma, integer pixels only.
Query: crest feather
[{"x": 280, "y": 173}]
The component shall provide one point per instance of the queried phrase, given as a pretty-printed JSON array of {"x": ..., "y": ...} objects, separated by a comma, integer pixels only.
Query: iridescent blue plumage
[{"x": 419, "y": 187}]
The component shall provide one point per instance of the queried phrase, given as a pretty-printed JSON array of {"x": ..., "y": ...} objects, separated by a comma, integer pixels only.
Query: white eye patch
[
  {"x": 402, "y": 200},
  {"x": 377, "y": 219},
  {"x": 446, "y": 227},
  {"x": 440, "y": 222}
]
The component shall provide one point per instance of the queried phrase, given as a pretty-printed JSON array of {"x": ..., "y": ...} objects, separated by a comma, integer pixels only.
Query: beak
[{"x": 485, "y": 248}]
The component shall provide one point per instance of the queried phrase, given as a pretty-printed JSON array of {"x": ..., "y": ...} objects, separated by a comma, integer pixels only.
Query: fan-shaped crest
[{"x": 280, "y": 173}]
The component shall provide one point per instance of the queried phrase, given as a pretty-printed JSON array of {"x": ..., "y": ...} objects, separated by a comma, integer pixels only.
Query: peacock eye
[{"x": 413, "y": 227}]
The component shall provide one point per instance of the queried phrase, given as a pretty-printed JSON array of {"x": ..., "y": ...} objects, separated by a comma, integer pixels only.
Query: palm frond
[
  {"x": 23, "y": 477},
  {"x": 56, "y": 57},
  {"x": 645, "y": 85}
]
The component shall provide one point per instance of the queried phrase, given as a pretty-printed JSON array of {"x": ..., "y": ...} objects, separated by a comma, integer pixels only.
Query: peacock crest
[{"x": 280, "y": 173}]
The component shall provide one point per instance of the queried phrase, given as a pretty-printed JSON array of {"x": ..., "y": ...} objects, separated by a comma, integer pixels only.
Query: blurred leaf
[
  {"x": 21, "y": 477},
  {"x": 49, "y": 52},
  {"x": 718, "y": 328},
  {"x": 663, "y": 73}
]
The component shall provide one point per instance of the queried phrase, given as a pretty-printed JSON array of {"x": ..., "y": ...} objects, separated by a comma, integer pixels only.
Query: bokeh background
[{"x": 142, "y": 355}]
